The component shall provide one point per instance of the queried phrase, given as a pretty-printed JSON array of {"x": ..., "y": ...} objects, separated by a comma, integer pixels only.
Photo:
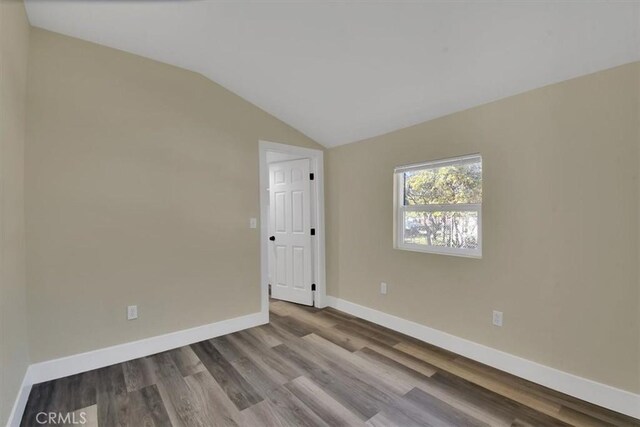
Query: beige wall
[
  {"x": 141, "y": 179},
  {"x": 14, "y": 357},
  {"x": 560, "y": 222}
]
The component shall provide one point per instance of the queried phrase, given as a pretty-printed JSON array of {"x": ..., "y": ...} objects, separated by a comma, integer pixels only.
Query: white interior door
[{"x": 290, "y": 228}]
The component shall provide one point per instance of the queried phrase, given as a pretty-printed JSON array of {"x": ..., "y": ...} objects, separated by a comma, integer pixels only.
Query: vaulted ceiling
[{"x": 344, "y": 71}]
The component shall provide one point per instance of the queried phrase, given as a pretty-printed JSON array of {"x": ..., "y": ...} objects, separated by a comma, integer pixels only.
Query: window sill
[{"x": 426, "y": 250}]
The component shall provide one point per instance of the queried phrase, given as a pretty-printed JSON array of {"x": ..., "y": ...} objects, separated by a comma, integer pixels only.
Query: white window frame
[{"x": 400, "y": 209}]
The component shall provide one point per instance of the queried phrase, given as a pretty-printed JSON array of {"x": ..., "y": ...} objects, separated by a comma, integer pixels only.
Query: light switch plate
[
  {"x": 253, "y": 223},
  {"x": 497, "y": 318}
]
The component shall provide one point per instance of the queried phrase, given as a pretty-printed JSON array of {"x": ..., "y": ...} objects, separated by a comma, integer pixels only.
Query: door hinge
[
  {"x": 313, "y": 231},
  {"x": 313, "y": 286},
  {"x": 312, "y": 176}
]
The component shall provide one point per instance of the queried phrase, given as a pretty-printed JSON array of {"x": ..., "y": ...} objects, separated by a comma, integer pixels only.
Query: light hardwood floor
[{"x": 310, "y": 367}]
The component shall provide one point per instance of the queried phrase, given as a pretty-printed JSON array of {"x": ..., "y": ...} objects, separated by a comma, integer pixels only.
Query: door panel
[
  {"x": 297, "y": 215},
  {"x": 281, "y": 266},
  {"x": 280, "y": 214},
  {"x": 290, "y": 225}
]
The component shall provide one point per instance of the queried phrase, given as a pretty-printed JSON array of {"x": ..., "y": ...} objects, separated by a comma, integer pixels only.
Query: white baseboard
[
  {"x": 70, "y": 365},
  {"x": 597, "y": 393}
]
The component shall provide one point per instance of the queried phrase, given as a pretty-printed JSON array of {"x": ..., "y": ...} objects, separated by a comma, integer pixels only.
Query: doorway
[{"x": 292, "y": 237}]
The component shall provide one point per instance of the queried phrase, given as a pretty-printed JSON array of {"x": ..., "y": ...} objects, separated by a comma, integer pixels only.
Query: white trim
[
  {"x": 462, "y": 207},
  {"x": 15, "y": 417},
  {"x": 317, "y": 166},
  {"x": 600, "y": 394},
  {"x": 460, "y": 160},
  {"x": 441, "y": 250},
  {"x": 70, "y": 365}
]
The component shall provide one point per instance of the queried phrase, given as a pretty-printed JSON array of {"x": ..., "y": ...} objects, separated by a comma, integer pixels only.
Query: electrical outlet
[
  {"x": 253, "y": 223},
  {"x": 383, "y": 288},
  {"x": 497, "y": 318},
  {"x": 132, "y": 312}
]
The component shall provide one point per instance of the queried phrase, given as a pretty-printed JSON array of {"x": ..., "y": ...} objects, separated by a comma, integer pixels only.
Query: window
[{"x": 439, "y": 206}]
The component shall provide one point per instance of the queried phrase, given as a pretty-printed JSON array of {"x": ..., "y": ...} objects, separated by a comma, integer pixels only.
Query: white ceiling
[{"x": 343, "y": 71}]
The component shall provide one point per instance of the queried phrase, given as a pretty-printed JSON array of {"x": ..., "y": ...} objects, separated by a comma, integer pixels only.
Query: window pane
[
  {"x": 444, "y": 185},
  {"x": 451, "y": 229}
]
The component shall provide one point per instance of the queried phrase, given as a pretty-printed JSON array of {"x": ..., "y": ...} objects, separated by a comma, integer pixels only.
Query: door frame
[{"x": 316, "y": 158}]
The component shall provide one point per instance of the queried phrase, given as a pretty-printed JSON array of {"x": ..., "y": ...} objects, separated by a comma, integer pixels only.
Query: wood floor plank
[
  {"x": 542, "y": 405},
  {"x": 401, "y": 413},
  {"x": 266, "y": 339},
  {"x": 146, "y": 408},
  {"x": 86, "y": 417},
  {"x": 395, "y": 417},
  {"x": 264, "y": 413},
  {"x": 39, "y": 399},
  {"x": 393, "y": 369},
  {"x": 572, "y": 408},
  {"x": 403, "y": 358},
  {"x": 111, "y": 396},
  {"x": 218, "y": 408},
  {"x": 309, "y": 308},
  {"x": 360, "y": 371},
  {"x": 418, "y": 408},
  {"x": 399, "y": 337},
  {"x": 292, "y": 411},
  {"x": 227, "y": 349},
  {"x": 264, "y": 358},
  {"x": 410, "y": 366},
  {"x": 178, "y": 399},
  {"x": 584, "y": 413},
  {"x": 440, "y": 409},
  {"x": 278, "y": 307},
  {"x": 341, "y": 314},
  {"x": 262, "y": 381},
  {"x": 499, "y": 406},
  {"x": 292, "y": 325},
  {"x": 425, "y": 354},
  {"x": 138, "y": 374},
  {"x": 64, "y": 395},
  {"x": 385, "y": 380},
  {"x": 346, "y": 341},
  {"x": 277, "y": 333},
  {"x": 373, "y": 334},
  {"x": 240, "y": 392},
  {"x": 333, "y": 316},
  {"x": 362, "y": 334},
  {"x": 361, "y": 398},
  {"x": 82, "y": 389},
  {"x": 479, "y": 405},
  {"x": 483, "y": 410},
  {"x": 320, "y": 402},
  {"x": 186, "y": 361},
  {"x": 581, "y": 419},
  {"x": 298, "y": 312}
]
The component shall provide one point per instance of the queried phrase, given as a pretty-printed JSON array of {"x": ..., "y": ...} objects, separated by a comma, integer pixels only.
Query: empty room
[{"x": 319, "y": 213}]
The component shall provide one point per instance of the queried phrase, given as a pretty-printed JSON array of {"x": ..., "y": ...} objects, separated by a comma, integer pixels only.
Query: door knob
[{"x": 272, "y": 238}]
